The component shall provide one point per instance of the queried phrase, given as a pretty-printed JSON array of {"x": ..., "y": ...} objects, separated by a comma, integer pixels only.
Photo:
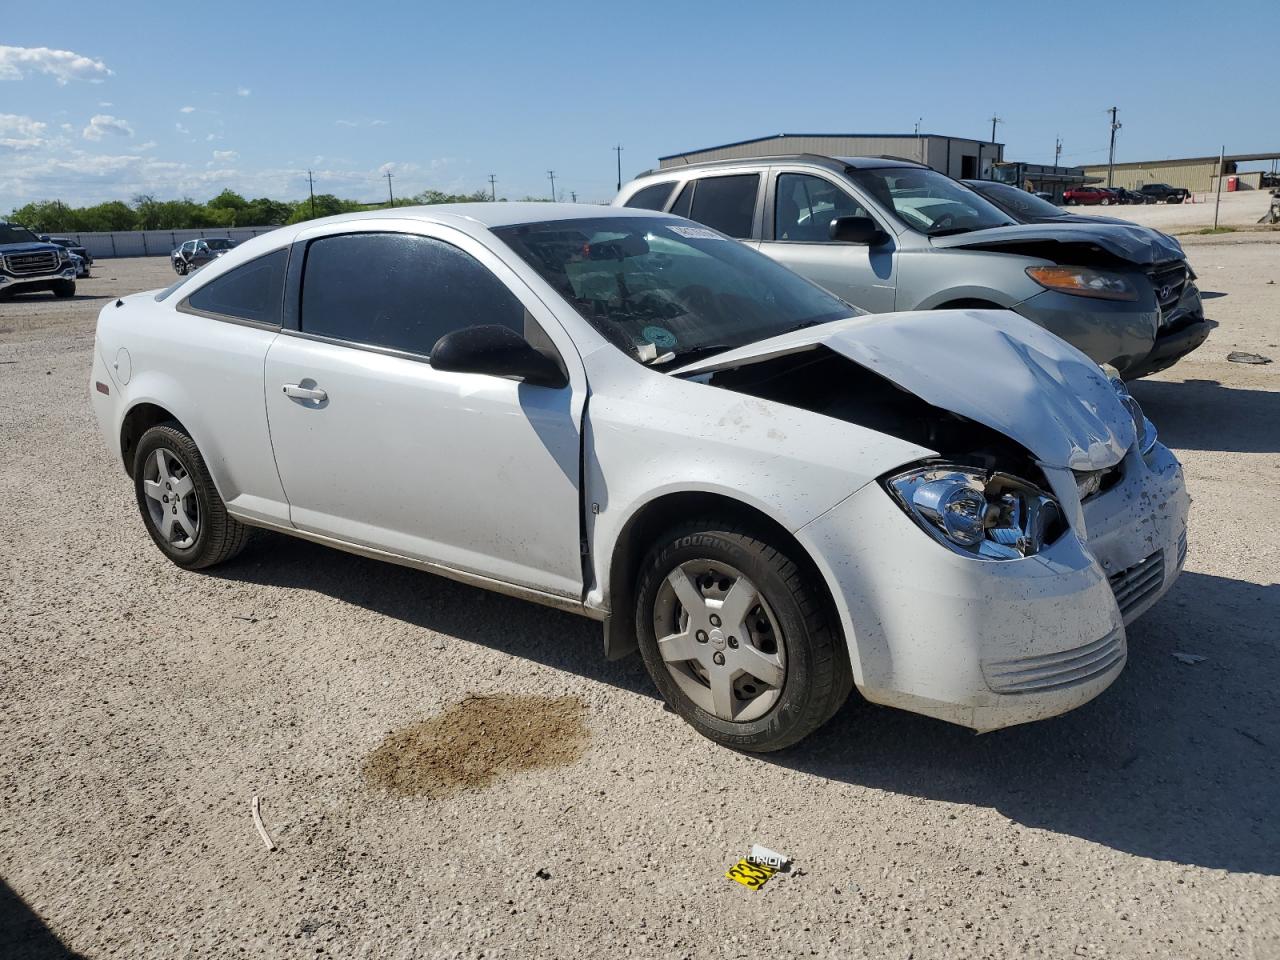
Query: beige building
[
  {"x": 1197, "y": 174},
  {"x": 955, "y": 156}
]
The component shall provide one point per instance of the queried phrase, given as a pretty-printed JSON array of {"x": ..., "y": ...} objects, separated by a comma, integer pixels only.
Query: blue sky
[{"x": 184, "y": 99}]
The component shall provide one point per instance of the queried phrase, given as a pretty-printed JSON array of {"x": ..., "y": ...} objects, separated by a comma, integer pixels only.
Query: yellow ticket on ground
[{"x": 751, "y": 875}]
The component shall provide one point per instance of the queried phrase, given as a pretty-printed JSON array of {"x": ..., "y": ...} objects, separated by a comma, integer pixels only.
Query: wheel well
[
  {"x": 971, "y": 303},
  {"x": 137, "y": 422},
  {"x": 664, "y": 513}
]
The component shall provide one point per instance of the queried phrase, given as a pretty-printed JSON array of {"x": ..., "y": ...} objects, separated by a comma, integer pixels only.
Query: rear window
[
  {"x": 252, "y": 291},
  {"x": 727, "y": 204},
  {"x": 653, "y": 197}
]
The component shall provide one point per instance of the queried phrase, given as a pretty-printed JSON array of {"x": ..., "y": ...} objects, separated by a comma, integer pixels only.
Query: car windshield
[
  {"x": 926, "y": 201},
  {"x": 216, "y": 244},
  {"x": 1019, "y": 202},
  {"x": 663, "y": 289},
  {"x": 12, "y": 233}
]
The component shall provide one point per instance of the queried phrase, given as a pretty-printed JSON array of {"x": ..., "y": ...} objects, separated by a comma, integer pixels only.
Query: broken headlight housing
[
  {"x": 1146, "y": 430},
  {"x": 978, "y": 513}
]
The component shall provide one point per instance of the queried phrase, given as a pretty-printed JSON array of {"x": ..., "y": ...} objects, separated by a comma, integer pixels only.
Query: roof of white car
[{"x": 499, "y": 214}]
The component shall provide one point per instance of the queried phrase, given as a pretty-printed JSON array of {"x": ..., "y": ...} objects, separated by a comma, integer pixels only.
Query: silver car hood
[
  {"x": 991, "y": 366},
  {"x": 1128, "y": 241}
]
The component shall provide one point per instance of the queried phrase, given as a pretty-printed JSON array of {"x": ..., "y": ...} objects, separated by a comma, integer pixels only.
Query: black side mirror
[
  {"x": 861, "y": 230},
  {"x": 498, "y": 351}
]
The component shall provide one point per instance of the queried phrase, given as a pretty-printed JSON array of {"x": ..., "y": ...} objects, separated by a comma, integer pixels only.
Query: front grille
[
  {"x": 1139, "y": 582},
  {"x": 1051, "y": 671},
  {"x": 29, "y": 264},
  {"x": 1168, "y": 279}
]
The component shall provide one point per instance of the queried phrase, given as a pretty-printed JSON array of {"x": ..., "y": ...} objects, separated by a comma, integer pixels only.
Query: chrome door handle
[{"x": 304, "y": 393}]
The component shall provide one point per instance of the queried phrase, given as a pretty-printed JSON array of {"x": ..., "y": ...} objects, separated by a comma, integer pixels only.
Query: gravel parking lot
[{"x": 143, "y": 707}]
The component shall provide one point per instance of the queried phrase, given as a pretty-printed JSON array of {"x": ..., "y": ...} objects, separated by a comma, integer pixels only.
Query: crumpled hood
[
  {"x": 991, "y": 366},
  {"x": 1139, "y": 245}
]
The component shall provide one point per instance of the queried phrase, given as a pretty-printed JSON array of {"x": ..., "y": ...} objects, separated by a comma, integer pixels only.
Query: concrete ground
[
  {"x": 143, "y": 707},
  {"x": 1240, "y": 210}
]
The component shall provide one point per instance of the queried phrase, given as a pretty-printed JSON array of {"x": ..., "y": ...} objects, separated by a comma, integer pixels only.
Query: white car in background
[{"x": 627, "y": 415}]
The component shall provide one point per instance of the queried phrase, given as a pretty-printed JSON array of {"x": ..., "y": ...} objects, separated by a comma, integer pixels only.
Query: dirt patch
[{"x": 477, "y": 741}]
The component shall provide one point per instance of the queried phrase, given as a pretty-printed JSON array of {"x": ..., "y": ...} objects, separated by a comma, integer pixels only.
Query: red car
[{"x": 1087, "y": 196}]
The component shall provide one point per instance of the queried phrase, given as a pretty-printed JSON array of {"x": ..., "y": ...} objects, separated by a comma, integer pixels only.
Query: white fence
[{"x": 152, "y": 243}]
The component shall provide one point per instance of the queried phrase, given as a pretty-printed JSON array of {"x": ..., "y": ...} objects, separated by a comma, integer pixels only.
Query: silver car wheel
[
  {"x": 171, "y": 499},
  {"x": 719, "y": 640}
]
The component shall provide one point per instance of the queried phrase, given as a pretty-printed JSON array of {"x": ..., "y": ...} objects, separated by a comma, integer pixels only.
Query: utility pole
[
  {"x": 552, "y": 175},
  {"x": 1218, "y": 199},
  {"x": 573, "y": 195},
  {"x": 1111, "y": 157},
  {"x": 919, "y": 148},
  {"x": 1057, "y": 150},
  {"x": 311, "y": 186},
  {"x": 618, "y": 151},
  {"x": 994, "y": 121},
  {"x": 391, "y": 196},
  {"x": 493, "y": 187}
]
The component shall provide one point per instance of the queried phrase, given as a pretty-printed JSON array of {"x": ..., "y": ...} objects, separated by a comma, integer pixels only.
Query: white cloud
[
  {"x": 18, "y": 132},
  {"x": 105, "y": 103},
  {"x": 362, "y": 123},
  {"x": 62, "y": 65},
  {"x": 187, "y": 110},
  {"x": 226, "y": 156},
  {"x": 210, "y": 137},
  {"x": 103, "y": 123},
  {"x": 346, "y": 123},
  {"x": 180, "y": 128},
  {"x": 379, "y": 123},
  {"x": 149, "y": 145},
  {"x": 243, "y": 91}
]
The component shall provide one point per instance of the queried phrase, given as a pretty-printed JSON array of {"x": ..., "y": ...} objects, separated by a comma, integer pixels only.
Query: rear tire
[
  {"x": 63, "y": 288},
  {"x": 767, "y": 679},
  {"x": 180, "y": 505}
]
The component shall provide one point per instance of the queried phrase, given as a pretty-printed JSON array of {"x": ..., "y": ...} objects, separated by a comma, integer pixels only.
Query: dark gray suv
[{"x": 891, "y": 235}]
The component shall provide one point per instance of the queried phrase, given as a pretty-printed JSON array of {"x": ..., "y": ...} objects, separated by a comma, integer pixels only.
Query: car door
[
  {"x": 472, "y": 472},
  {"x": 800, "y": 207}
]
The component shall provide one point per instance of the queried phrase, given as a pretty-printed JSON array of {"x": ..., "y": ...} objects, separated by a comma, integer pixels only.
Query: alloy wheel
[
  {"x": 719, "y": 640},
  {"x": 171, "y": 499}
]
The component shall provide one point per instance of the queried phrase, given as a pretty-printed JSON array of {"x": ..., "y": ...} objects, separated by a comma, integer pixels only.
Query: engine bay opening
[{"x": 824, "y": 382}]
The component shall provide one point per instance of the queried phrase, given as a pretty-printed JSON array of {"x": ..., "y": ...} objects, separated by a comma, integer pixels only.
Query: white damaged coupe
[{"x": 629, "y": 416}]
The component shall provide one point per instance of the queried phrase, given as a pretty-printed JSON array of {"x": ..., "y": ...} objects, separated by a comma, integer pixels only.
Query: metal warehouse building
[
  {"x": 954, "y": 156},
  {"x": 1197, "y": 174}
]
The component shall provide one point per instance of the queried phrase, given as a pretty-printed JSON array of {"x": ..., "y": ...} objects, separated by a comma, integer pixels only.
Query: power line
[{"x": 552, "y": 175}]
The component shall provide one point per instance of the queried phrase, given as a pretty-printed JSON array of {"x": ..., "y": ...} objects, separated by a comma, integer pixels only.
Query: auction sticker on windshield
[
  {"x": 695, "y": 233},
  {"x": 660, "y": 337}
]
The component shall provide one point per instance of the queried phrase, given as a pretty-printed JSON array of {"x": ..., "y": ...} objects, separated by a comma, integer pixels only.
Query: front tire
[
  {"x": 180, "y": 506},
  {"x": 738, "y": 637},
  {"x": 62, "y": 289}
]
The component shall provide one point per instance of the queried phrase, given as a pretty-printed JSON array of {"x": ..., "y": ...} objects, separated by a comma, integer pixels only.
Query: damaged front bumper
[{"x": 990, "y": 644}]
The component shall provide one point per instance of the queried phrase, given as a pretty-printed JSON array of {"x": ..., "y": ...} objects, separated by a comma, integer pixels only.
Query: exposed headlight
[
  {"x": 1084, "y": 282},
  {"x": 978, "y": 513},
  {"x": 1145, "y": 428},
  {"x": 63, "y": 256}
]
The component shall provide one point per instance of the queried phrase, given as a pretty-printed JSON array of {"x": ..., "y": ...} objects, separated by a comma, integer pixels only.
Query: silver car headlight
[
  {"x": 1146, "y": 430},
  {"x": 978, "y": 513}
]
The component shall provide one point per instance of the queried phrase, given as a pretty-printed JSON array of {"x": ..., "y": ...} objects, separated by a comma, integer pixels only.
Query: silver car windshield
[
  {"x": 663, "y": 290},
  {"x": 928, "y": 202}
]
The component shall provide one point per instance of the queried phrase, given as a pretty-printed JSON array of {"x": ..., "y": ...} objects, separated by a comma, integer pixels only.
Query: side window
[
  {"x": 399, "y": 291},
  {"x": 727, "y": 204},
  {"x": 805, "y": 206},
  {"x": 653, "y": 197},
  {"x": 684, "y": 202},
  {"x": 252, "y": 291}
]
